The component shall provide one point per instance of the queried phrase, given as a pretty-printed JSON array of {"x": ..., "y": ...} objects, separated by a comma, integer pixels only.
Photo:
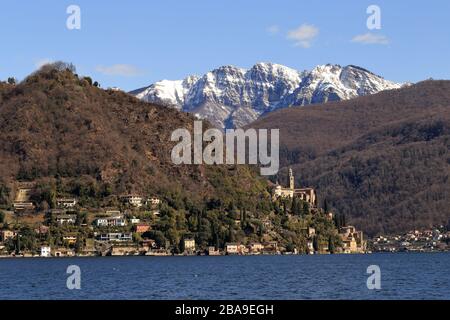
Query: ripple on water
[{"x": 403, "y": 276}]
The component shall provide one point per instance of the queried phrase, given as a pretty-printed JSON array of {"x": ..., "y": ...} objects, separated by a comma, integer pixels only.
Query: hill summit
[{"x": 58, "y": 127}]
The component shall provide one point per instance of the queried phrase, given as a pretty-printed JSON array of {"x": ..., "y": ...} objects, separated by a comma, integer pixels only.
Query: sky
[{"x": 131, "y": 44}]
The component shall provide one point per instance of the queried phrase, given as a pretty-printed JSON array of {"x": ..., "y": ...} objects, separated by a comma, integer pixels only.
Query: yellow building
[
  {"x": 70, "y": 239},
  {"x": 7, "y": 234},
  {"x": 189, "y": 245},
  {"x": 352, "y": 240}
]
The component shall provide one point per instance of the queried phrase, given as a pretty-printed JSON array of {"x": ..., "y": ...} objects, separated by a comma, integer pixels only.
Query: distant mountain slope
[
  {"x": 384, "y": 159},
  {"x": 56, "y": 126},
  {"x": 234, "y": 97}
]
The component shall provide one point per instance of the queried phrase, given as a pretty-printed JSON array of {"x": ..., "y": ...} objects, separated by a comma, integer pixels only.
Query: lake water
[{"x": 403, "y": 276}]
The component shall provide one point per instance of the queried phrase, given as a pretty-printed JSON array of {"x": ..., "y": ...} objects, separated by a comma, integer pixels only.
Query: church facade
[{"x": 305, "y": 194}]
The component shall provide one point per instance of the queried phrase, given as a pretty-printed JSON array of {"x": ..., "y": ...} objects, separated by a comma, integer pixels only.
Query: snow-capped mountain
[{"x": 234, "y": 97}]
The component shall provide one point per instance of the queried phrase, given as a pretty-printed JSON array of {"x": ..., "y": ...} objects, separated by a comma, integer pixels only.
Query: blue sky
[{"x": 131, "y": 44}]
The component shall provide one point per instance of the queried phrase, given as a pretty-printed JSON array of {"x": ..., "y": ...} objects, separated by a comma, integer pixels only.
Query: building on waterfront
[
  {"x": 212, "y": 251},
  {"x": 255, "y": 247},
  {"x": 63, "y": 252},
  {"x": 46, "y": 251},
  {"x": 270, "y": 247},
  {"x": 305, "y": 194},
  {"x": 310, "y": 247},
  {"x": 352, "y": 240},
  {"x": 232, "y": 248},
  {"x": 189, "y": 245}
]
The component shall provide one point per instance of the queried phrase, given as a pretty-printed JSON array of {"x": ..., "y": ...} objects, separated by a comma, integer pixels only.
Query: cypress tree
[
  {"x": 315, "y": 244},
  {"x": 294, "y": 206},
  {"x": 325, "y": 206},
  {"x": 331, "y": 247}
]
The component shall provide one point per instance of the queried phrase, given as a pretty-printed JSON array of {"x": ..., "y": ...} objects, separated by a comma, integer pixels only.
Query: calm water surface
[{"x": 403, "y": 276}]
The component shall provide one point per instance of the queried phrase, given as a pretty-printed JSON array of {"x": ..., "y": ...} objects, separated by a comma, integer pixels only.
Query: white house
[
  {"x": 66, "y": 202},
  {"x": 310, "y": 246},
  {"x": 117, "y": 221},
  {"x": 135, "y": 220},
  {"x": 66, "y": 219},
  {"x": 46, "y": 251},
  {"x": 116, "y": 237},
  {"x": 134, "y": 200},
  {"x": 232, "y": 248},
  {"x": 101, "y": 222},
  {"x": 154, "y": 201}
]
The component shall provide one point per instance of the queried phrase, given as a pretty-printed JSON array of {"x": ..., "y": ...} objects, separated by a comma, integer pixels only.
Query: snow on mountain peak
[{"x": 233, "y": 97}]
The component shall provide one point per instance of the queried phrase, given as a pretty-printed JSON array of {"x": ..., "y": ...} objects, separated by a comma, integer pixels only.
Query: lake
[{"x": 403, "y": 276}]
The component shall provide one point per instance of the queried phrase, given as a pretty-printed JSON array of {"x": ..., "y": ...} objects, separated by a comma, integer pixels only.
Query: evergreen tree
[
  {"x": 17, "y": 243},
  {"x": 325, "y": 206},
  {"x": 294, "y": 206},
  {"x": 216, "y": 240},
  {"x": 315, "y": 244},
  {"x": 306, "y": 208},
  {"x": 331, "y": 247}
]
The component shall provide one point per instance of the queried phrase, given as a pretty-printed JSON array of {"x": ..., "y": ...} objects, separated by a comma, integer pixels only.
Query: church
[{"x": 306, "y": 194}]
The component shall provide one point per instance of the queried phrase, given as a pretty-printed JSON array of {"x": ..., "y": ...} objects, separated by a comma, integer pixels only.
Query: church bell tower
[{"x": 291, "y": 180}]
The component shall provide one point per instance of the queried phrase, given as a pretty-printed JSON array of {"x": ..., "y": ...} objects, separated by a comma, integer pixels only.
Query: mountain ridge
[{"x": 230, "y": 96}]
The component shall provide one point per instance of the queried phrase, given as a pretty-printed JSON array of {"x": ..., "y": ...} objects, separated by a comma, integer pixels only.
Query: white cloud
[
  {"x": 303, "y": 35},
  {"x": 371, "y": 38},
  {"x": 125, "y": 70},
  {"x": 273, "y": 30},
  {"x": 41, "y": 62}
]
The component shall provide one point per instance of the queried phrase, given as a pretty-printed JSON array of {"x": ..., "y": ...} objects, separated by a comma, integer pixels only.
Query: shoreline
[{"x": 222, "y": 255}]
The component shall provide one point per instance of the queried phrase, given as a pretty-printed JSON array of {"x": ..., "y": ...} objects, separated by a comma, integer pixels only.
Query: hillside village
[
  {"x": 72, "y": 185},
  {"x": 59, "y": 196},
  {"x": 428, "y": 240},
  {"x": 137, "y": 226}
]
